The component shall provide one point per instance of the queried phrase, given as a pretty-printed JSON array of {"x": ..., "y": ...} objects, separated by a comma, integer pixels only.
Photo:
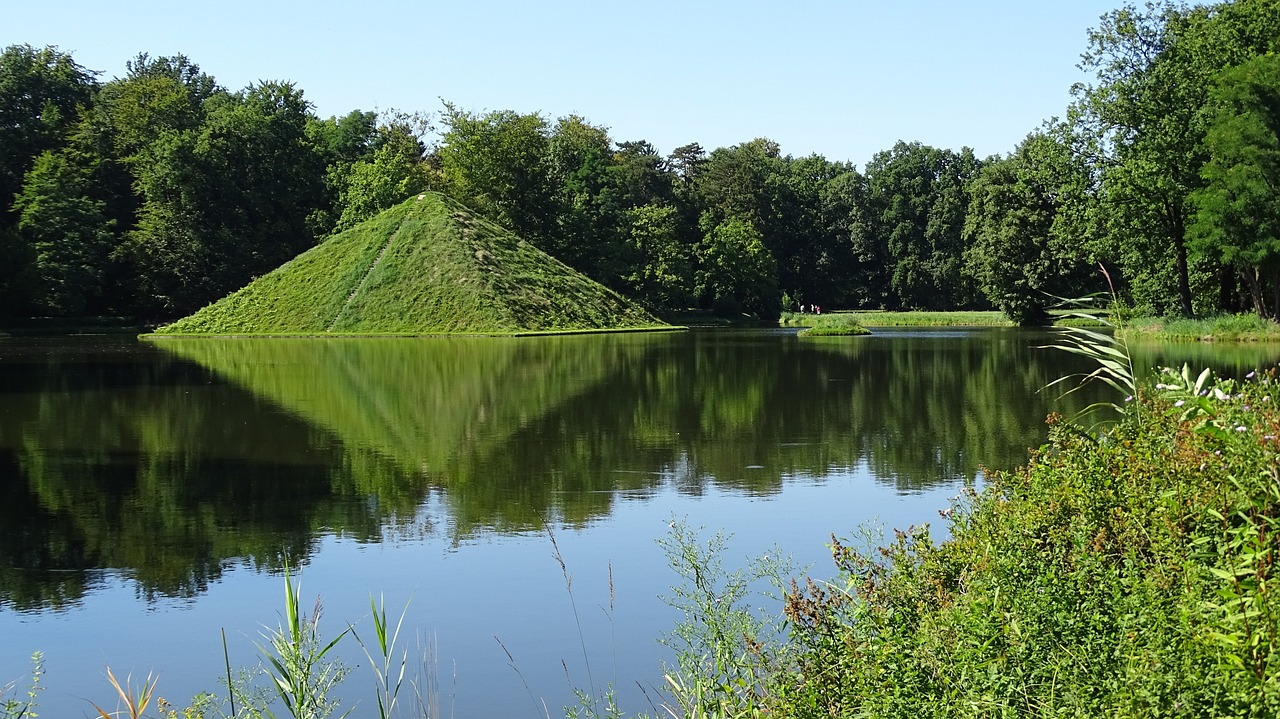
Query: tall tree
[
  {"x": 1154, "y": 68},
  {"x": 227, "y": 201},
  {"x": 498, "y": 163},
  {"x": 917, "y": 203},
  {"x": 1023, "y": 247},
  {"x": 735, "y": 271},
  {"x": 42, "y": 96},
  {"x": 587, "y": 209},
  {"x": 42, "y": 93},
  {"x": 811, "y": 245},
  {"x": 69, "y": 232},
  {"x": 394, "y": 171},
  {"x": 1238, "y": 218}
]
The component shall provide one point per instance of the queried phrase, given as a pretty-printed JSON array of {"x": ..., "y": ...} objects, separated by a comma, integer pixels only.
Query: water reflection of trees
[{"x": 171, "y": 464}]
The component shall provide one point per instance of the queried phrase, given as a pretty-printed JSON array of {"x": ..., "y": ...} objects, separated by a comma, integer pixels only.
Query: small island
[{"x": 426, "y": 266}]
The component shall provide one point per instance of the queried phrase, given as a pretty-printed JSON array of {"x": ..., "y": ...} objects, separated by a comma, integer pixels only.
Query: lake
[{"x": 151, "y": 493}]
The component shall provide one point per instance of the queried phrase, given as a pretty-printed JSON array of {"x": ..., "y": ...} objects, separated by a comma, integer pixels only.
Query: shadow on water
[{"x": 170, "y": 463}]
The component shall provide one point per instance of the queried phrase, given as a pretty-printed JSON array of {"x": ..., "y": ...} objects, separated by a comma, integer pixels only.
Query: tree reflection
[{"x": 171, "y": 463}]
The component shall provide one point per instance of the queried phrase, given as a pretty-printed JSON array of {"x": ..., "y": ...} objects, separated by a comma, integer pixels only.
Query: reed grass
[
  {"x": 301, "y": 670},
  {"x": 384, "y": 664},
  {"x": 134, "y": 703}
]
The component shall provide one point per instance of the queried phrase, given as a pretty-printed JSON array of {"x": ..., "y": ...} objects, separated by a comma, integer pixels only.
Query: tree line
[{"x": 158, "y": 191}]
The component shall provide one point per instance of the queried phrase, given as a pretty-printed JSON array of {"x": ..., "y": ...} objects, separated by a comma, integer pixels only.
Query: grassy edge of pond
[
  {"x": 854, "y": 331},
  {"x": 344, "y": 335},
  {"x": 1244, "y": 327}
]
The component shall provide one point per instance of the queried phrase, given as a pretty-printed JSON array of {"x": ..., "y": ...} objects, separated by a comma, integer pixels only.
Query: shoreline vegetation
[
  {"x": 832, "y": 324},
  {"x": 1245, "y": 327},
  {"x": 353, "y": 335},
  {"x": 1240, "y": 327},
  {"x": 1124, "y": 573}
]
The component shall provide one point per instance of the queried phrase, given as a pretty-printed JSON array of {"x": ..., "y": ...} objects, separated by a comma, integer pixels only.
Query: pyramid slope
[{"x": 427, "y": 266}]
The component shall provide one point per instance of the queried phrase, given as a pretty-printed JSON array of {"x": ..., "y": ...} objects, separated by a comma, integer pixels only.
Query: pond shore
[{"x": 1117, "y": 573}]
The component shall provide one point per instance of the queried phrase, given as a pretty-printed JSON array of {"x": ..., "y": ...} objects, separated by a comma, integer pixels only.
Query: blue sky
[{"x": 842, "y": 79}]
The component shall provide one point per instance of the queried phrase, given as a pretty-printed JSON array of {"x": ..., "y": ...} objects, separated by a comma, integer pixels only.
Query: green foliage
[
  {"x": 42, "y": 93},
  {"x": 1238, "y": 218},
  {"x": 1022, "y": 246},
  {"x": 736, "y": 272},
  {"x": 913, "y": 222},
  {"x": 69, "y": 232},
  {"x": 1144, "y": 126},
  {"x": 395, "y": 171},
  {"x": 1108, "y": 354},
  {"x": 497, "y": 164},
  {"x": 1124, "y": 577},
  {"x": 931, "y": 319},
  {"x": 660, "y": 273},
  {"x": 388, "y": 677},
  {"x": 228, "y": 201},
  {"x": 725, "y": 660},
  {"x": 832, "y": 324},
  {"x": 15, "y": 707},
  {"x": 301, "y": 670},
  {"x": 847, "y": 331},
  {"x": 1242, "y": 327}
]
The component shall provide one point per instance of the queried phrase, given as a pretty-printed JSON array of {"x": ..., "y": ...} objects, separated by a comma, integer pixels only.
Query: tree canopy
[{"x": 158, "y": 191}]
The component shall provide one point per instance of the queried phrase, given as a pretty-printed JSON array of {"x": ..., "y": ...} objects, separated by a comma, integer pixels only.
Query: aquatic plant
[
  {"x": 301, "y": 670},
  {"x": 14, "y": 707},
  {"x": 384, "y": 664}
]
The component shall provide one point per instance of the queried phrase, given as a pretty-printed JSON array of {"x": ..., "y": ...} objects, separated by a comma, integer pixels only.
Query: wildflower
[
  {"x": 1129, "y": 398},
  {"x": 1251, "y": 375},
  {"x": 1241, "y": 428},
  {"x": 1179, "y": 403}
]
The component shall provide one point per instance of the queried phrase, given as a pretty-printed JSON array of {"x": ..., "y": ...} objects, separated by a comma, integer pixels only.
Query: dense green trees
[
  {"x": 1238, "y": 219},
  {"x": 158, "y": 191},
  {"x": 1147, "y": 118},
  {"x": 913, "y": 219},
  {"x": 1023, "y": 226}
]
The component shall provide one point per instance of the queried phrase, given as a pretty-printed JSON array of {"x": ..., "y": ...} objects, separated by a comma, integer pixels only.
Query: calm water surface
[{"x": 150, "y": 493}]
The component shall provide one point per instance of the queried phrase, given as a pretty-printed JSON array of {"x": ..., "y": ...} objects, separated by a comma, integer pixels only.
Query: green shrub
[{"x": 1128, "y": 574}]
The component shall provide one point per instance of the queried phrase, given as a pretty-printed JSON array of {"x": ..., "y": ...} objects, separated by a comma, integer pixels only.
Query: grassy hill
[{"x": 427, "y": 266}]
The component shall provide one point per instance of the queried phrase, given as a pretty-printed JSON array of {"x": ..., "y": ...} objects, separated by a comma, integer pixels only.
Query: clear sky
[{"x": 842, "y": 78}]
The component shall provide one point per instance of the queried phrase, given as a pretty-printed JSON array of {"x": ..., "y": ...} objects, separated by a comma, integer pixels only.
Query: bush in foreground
[{"x": 1127, "y": 574}]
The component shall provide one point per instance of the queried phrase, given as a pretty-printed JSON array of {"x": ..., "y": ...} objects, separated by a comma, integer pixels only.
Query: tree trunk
[
  {"x": 1228, "y": 297},
  {"x": 1251, "y": 280},
  {"x": 1180, "y": 252}
]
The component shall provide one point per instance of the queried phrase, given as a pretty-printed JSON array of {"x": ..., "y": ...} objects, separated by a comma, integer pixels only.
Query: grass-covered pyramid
[{"x": 427, "y": 266}]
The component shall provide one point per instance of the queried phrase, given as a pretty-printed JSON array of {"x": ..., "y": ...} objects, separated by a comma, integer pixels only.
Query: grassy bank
[
  {"x": 1247, "y": 327},
  {"x": 1127, "y": 574},
  {"x": 829, "y": 325},
  {"x": 878, "y": 318}
]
